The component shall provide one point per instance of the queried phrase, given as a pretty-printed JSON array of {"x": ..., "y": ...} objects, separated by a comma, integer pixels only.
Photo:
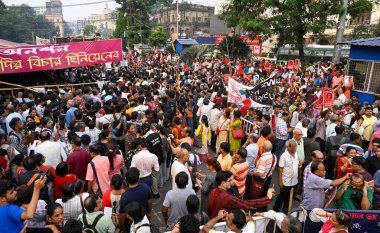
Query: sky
[{"x": 73, "y": 13}]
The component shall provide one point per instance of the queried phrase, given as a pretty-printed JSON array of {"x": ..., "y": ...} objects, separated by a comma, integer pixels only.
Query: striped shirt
[
  {"x": 264, "y": 163},
  {"x": 240, "y": 171}
]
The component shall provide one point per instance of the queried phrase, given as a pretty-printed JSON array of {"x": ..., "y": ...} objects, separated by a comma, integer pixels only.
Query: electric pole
[
  {"x": 177, "y": 21},
  {"x": 340, "y": 32}
]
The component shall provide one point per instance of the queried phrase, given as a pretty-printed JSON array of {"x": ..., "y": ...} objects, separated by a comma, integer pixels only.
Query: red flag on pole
[{"x": 296, "y": 64}]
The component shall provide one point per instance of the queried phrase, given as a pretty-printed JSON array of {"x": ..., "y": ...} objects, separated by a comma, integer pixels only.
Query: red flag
[
  {"x": 267, "y": 66},
  {"x": 245, "y": 77}
]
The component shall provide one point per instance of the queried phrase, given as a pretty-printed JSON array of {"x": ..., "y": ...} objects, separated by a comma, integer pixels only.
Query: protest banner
[
  {"x": 296, "y": 64},
  {"x": 290, "y": 65},
  {"x": 239, "y": 93},
  {"x": 59, "y": 56},
  {"x": 328, "y": 97},
  {"x": 264, "y": 92},
  {"x": 362, "y": 221}
]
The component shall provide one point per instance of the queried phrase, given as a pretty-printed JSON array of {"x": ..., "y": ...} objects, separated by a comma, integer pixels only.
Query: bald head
[
  {"x": 183, "y": 155},
  {"x": 10, "y": 108},
  {"x": 267, "y": 146},
  {"x": 317, "y": 155}
]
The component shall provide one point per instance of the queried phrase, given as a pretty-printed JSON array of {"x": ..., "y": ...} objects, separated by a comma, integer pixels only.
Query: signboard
[
  {"x": 362, "y": 222},
  {"x": 254, "y": 44},
  {"x": 59, "y": 56},
  {"x": 328, "y": 97}
]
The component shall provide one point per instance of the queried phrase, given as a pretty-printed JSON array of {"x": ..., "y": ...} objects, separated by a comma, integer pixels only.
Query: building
[
  {"x": 54, "y": 14},
  {"x": 105, "y": 22},
  {"x": 193, "y": 20}
]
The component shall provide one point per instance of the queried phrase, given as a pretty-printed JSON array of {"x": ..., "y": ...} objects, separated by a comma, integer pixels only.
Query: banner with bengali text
[
  {"x": 363, "y": 221},
  {"x": 59, "y": 56}
]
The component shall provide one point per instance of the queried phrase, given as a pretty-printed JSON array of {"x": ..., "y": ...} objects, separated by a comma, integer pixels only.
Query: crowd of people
[{"x": 93, "y": 158}]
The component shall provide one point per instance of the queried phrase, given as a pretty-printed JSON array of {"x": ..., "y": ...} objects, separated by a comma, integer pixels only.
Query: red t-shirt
[{"x": 59, "y": 182}]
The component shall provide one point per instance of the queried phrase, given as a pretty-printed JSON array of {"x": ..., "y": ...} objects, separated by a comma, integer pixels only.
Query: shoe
[{"x": 156, "y": 195}]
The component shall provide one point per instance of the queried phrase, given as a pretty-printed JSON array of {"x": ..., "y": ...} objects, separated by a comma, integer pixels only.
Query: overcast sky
[{"x": 72, "y": 13}]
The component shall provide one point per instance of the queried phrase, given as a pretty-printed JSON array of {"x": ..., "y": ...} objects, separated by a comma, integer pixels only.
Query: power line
[{"x": 68, "y": 5}]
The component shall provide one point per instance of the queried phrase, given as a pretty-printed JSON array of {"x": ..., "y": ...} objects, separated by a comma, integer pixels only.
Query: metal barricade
[{"x": 250, "y": 127}]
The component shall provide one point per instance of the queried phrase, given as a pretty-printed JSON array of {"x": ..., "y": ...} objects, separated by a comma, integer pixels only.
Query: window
[
  {"x": 360, "y": 70},
  {"x": 193, "y": 19},
  {"x": 374, "y": 83},
  {"x": 199, "y": 19}
]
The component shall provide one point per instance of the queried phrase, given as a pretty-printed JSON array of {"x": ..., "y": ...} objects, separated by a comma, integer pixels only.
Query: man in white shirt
[
  {"x": 330, "y": 129},
  {"x": 179, "y": 166},
  {"x": 140, "y": 107},
  {"x": 146, "y": 163},
  {"x": 216, "y": 113},
  {"x": 287, "y": 175},
  {"x": 12, "y": 114},
  {"x": 205, "y": 110},
  {"x": 106, "y": 119},
  {"x": 53, "y": 152}
]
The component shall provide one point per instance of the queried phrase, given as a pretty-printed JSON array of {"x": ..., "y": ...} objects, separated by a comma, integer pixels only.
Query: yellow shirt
[
  {"x": 225, "y": 162},
  {"x": 129, "y": 111},
  {"x": 368, "y": 124}
]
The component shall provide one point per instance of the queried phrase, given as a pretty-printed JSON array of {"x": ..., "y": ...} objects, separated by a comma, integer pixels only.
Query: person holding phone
[{"x": 12, "y": 216}]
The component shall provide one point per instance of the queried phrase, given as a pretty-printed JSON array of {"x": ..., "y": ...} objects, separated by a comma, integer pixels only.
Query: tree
[
  {"x": 375, "y": 30},
  {"x": 67, "y": 30},
  {"x": 188, "y": 55},
  {"x": 158, "y": 37},
  {"x": 20, "y": 23},
  {"x": 89, "y": 30},
  {"x": 131, "y": 15},
  {"x": 289, "y": 20},
  {"x": 234, "y": 47},
  {"x": 361, "y": 31}
]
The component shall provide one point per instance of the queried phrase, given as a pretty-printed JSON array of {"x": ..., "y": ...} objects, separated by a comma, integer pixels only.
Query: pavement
[{"x": 156, "y": 215}]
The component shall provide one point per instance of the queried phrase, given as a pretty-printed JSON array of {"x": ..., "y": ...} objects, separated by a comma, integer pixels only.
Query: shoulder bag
[
  {"x": 99, "y": 191},
  {"x": 257, "y": 186}
]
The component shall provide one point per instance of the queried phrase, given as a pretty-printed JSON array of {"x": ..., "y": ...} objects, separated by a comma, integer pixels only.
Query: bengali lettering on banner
[
  {"x": 362, "y": 221},
  {"x": 59, "y": 56}
]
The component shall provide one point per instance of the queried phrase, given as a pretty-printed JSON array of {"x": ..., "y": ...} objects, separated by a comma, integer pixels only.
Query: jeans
[
  {"x": 190, "y": 123},
  {"x": 279, "y": 143}
]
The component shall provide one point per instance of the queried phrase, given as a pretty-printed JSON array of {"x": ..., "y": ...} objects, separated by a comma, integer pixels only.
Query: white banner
[
  {"x": 40, "y": 40},
  {"x": 237, "y": 93}
]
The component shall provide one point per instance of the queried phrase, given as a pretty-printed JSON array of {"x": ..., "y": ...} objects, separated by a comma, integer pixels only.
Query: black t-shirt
[
  {"x": 156, "y": 146},
  {"x": 373, "y": 165}
]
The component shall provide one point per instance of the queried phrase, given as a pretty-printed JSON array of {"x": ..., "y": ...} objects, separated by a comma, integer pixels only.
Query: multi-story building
[
  {"x": 105, "y": 22},
  {"x": 54, "y": 14},
  {"x": 193, "y": 20}
]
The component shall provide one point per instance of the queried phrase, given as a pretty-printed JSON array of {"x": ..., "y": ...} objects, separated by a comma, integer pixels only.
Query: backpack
[
  {"x": 115, "y": 123},
  {"x": 153, "y": 228},
  {"x": 90, "y": 228}
]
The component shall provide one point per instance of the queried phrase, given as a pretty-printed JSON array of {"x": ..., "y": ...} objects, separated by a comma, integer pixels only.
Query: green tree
[
  {"x": 289, "y": 20},
  {"x": 67, "y": 30},
  {"x": 361, "y": 31},
  {"x": 20, "y": 23},
  {"x": 234, "y": 46},
  {"x": 89, "y": 30},
  {"x": 375, "y": 30},
  {"x": 158, "y": 37},
  {"x": 131, "y": 15}
]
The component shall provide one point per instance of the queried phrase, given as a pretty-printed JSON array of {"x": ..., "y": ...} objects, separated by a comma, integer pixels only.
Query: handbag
[
  {"x": 257, "y": 186},
  {"x": 198, "y": 139},
  {"x": 238, "y": 133},
  {"x": 99, "y": 191}
]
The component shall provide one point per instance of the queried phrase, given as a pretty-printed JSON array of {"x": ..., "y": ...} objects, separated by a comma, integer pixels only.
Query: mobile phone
[{"x": 46, "y": 173}]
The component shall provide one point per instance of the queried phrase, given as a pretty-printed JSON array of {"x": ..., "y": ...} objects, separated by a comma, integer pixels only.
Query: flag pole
[{"x": 34, "y": 42}]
